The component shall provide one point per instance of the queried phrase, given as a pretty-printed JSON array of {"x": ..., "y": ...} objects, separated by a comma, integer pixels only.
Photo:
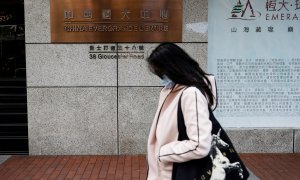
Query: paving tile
[{"x": 261, "y": 165}]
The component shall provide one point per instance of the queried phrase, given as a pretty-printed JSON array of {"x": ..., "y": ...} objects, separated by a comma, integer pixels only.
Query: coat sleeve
[{"x": 198, "y": 126}]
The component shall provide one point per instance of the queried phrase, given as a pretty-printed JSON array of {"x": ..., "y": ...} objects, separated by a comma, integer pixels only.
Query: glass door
[{"x": 13, "y": 98}]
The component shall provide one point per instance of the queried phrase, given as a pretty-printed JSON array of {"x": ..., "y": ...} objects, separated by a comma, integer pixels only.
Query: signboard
[
  {"x": 116, "y": 20},
  {"x": 254, "y": 52},
  {"x": 120, "y": 51}
]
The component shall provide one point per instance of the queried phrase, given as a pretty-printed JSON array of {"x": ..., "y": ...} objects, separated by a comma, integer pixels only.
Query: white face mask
[{"x": 167, "y": 82}]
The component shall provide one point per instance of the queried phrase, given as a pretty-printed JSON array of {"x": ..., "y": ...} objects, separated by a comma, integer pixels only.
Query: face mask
[{"x": 165, "y": 81}]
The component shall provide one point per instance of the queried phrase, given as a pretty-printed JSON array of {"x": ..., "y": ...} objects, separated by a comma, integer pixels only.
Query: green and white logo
[{"x": 244, "y": 11}]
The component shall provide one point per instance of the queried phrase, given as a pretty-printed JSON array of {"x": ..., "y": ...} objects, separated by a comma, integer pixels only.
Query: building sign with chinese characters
[
  {"x": 116, "y": 20},
  {"x": 254, "y": 52},
  {"x": 120, "y": 51}
]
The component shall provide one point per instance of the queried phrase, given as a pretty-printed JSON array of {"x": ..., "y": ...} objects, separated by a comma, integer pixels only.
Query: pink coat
[{"x": 163, "y": 147}]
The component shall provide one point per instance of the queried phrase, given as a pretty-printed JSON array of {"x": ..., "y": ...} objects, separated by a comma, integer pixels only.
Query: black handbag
[{"x": 223, "y": 162}]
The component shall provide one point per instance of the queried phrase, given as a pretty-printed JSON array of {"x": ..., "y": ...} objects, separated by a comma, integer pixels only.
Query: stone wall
[{"x": 81, "y": 106}]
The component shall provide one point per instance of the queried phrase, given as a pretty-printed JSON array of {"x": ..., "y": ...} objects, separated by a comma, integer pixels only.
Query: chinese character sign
[
  {"x": 116, "y": 21},
  {"x": 253, "y": 51}
]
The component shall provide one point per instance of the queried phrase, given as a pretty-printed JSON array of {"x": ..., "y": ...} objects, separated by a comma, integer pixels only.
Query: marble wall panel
[
  {"x": 72, "y": 121},
  {"x": 137, "y": 106},
  {"x": 70, "y": 65}
]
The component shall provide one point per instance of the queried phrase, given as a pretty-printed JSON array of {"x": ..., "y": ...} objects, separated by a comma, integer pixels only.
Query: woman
[{"x": 181, "y": 77}]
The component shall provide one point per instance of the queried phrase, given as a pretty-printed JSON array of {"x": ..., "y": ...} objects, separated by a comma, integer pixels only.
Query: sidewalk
[{"x": 264, "y": 166}]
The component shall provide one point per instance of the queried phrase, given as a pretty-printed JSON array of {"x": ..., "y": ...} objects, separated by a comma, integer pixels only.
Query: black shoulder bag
[{"x": 223, "y": 162}]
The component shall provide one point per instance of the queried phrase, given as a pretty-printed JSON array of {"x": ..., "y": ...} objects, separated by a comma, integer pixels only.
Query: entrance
[{"x": 13, "y": 97}]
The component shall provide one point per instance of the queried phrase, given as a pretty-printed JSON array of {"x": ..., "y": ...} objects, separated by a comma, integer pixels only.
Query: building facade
[{"x": 78, "y": 105}]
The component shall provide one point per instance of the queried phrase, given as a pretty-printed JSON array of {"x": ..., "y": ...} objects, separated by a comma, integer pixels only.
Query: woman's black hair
[{"x": 171, "y": 60}]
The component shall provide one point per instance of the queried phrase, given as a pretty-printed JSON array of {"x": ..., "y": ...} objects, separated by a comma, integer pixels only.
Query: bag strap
[{"x": 182, "y": 134}]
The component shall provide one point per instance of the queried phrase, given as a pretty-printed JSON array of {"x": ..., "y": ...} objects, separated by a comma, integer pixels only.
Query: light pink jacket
[{"x": 163, "y": 146}]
